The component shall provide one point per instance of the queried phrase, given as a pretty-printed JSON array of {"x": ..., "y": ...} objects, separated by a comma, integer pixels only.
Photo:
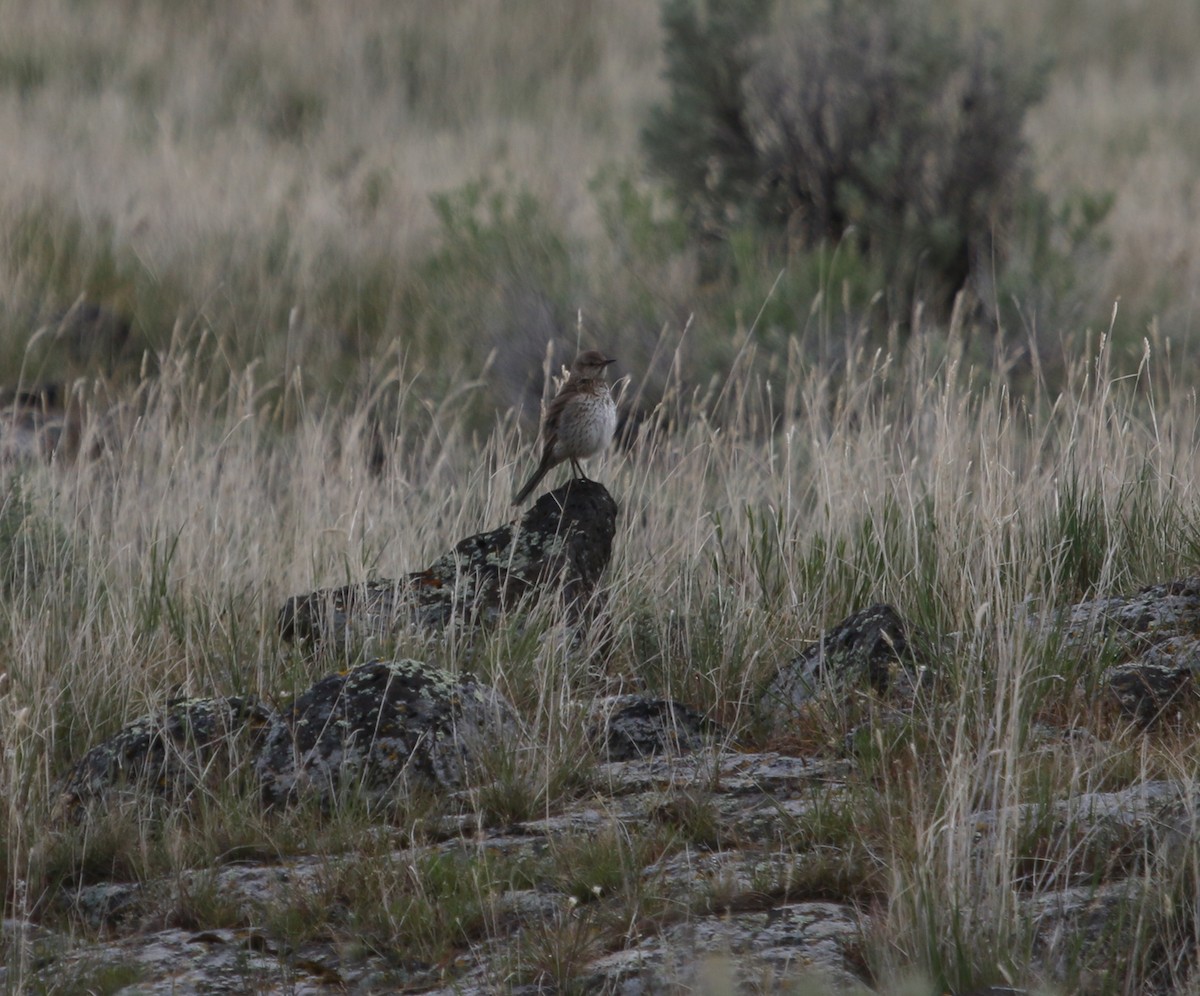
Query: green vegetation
[
  {"x": 321, "y": 257},
  {"x": 871, "y": 126}
]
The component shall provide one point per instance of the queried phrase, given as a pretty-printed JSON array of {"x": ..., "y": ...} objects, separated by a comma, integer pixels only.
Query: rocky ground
[{"x": 731, "y": 904}]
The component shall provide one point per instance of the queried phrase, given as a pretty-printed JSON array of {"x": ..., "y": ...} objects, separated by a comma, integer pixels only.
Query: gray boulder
[{"x": 380, "y": 725}]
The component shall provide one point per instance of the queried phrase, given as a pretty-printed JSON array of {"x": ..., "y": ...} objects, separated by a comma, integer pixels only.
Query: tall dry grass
[
  {"x": 240, "y": 166},
  {"x": 245, "y": 179},
  {"x": 745, "y": 527}
]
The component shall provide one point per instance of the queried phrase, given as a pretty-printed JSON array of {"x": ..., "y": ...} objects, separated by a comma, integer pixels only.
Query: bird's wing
[{"x": 556, "y": 407}]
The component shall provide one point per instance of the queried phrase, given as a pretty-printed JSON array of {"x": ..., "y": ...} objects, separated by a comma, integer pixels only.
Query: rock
[
  {"x": 870, "y": 647},
  {"x": 377, "y": 725},
  {"x": 625, "y": 727},
  {"x": 795, "y": 945},
  {"x": 777, "y": 777},
  {"x": 1145, "y": 688},
  {"x": 562, "y": 544},
  {"x": 744, "y": 844},
  {"x": 745, "y": 903},
  {"x": 107, "y": 905},
  {"x": 192, "y": 744},
  {"x": 1083, "y": 925},
  {"x": 1158, "y": 610},
  {"x": 208, "y": 961},
  {"x": 1120, "y": 827},
  {"x": 1148, "y": 639}
]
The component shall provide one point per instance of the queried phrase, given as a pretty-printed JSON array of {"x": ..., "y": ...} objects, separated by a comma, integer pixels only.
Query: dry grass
[
  {"x": 1119, "y": 117},
  {"x": 195, "y": 125},
  {"x": 213, "y": 169},
  {"x": 162, "y": 562},
  {"x": 241, "y": 167},
  {"x": 234, "y": 163}
]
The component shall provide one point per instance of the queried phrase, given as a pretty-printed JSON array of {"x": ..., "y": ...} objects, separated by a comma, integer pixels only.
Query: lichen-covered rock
[
  {"x": 193, "y": 743},
  {"x": 176, "y": 961},
  {"x": 1133, "y": 820},
  {"x": 1148, "y": 639},
  {"x": 562, "y": 545},
  {"x": 870, "y": 647},
  {"x": 800, "y": 947},
  {"x": 1158, "y": 610},
  {"x": 1145, "y": 688},
  {"x": 626, "y": 727},
  {"x": 370, "y": 729}
]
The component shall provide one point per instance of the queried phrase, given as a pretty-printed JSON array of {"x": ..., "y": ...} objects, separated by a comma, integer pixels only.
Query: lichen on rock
[
  {"x": 870, "y": 648},
  {"x": 562, "y": 545},
  {"x": 626, "y": 727},
  {"x": 192, "y": 743},
  {"x": 377, "y": 726}
]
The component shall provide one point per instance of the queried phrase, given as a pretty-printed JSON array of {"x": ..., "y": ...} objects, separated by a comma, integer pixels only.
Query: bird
[{"x": 579, "y": 422}]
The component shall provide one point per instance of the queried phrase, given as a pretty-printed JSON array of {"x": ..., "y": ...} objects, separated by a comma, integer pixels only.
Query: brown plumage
[{"x": 579, "y": 422}]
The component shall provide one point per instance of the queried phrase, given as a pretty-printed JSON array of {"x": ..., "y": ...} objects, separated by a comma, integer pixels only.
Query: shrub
[
  {"x": 855, "y": 120},
  {"x": 502, "y": 279}
]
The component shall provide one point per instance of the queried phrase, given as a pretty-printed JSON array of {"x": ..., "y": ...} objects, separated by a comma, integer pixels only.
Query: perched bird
[{"x": 579, "y": 422}]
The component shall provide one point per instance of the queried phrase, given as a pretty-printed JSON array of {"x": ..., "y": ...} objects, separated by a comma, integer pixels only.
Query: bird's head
[{"x": 590, "y": 364}]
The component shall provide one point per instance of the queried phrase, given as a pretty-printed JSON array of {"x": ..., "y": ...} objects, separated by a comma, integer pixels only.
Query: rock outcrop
[
  {"x": 739, "y": 903},
  {"x": 561, "y": 545},
  {"x": 1149, "y": 641}
]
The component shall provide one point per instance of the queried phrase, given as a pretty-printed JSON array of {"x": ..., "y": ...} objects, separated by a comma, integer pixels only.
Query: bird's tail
[{"x": 533, "y": 482}]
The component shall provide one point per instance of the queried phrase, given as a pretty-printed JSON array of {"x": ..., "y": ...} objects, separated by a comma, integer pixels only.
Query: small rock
[
  {"x": 1151, "y": 636},
  {"x": 170, "y": 754},
  {"x": 1157, "y": 610},
  {"x": 626, "y": 727},
  {"x": 794, "y": 945},
  {"x": 1145, "y": 689},
  {"x": 105, "y": 905},
  {"x": 870, "y": 647}
]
